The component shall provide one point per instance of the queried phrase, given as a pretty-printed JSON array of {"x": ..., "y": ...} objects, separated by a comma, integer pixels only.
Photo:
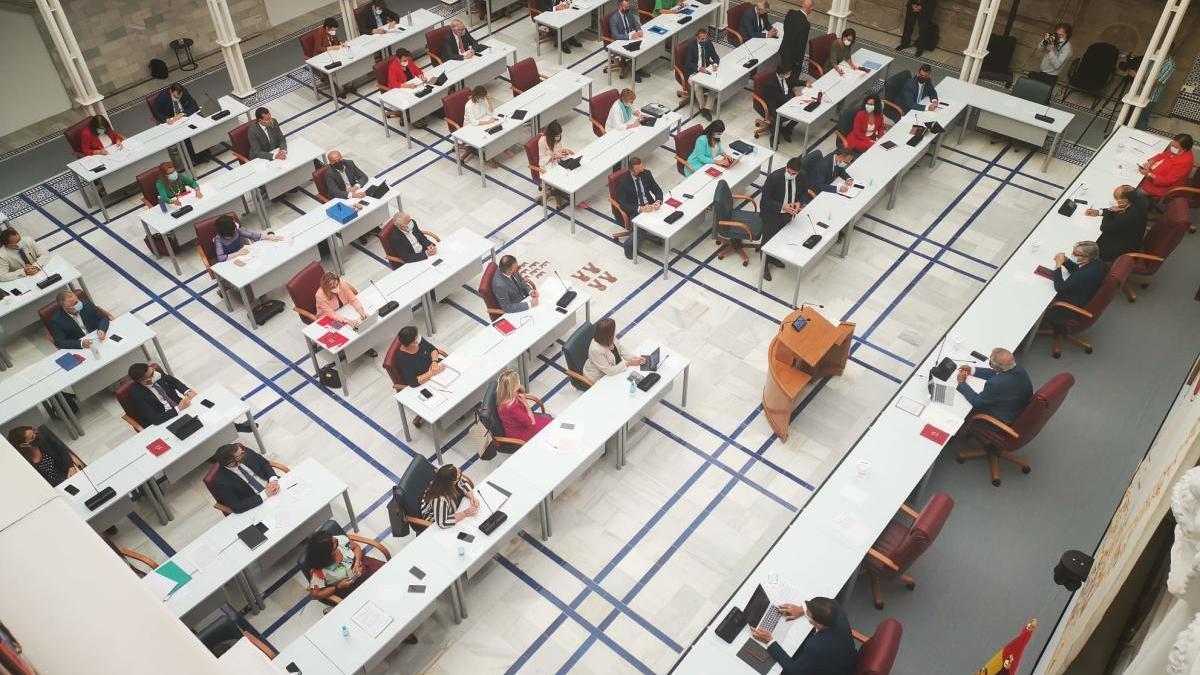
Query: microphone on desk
[
  {"x": 815, "y": 238},
  {"x": 387, "y": 307},
  {"x": 1044, "y": 117},
  {"x": 752, "y": 61}
]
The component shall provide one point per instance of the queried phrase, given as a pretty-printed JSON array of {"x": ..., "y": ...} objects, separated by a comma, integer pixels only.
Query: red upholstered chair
[
  {"x": 433, "y": 43},
  {"x": 146, "y": 182},
  {"x": 1082, "y": 318},
  {"x": 685, "y": 142},
  {"x": 598, "y": 107},
  {"x": 762, "y": 125},
  {"x": 318, "y": 177},
  {"x": 877, "y": 654},
  {"x": 1191, "y": 191},
  {"x": 485, "y": 291},
  {"x": 385, "y": 239},
  {"x": 308, "y": 42},
  {"x": 734, "y": 19},
  {"x": 532, "y": 158},
  {"x": 209, "y": 476},
  {"x": 680, "y": 52},
  {"x": 606, "y": 37},
  {"x": 150, "y": 104},
  {"x": 1162, "y": 239},
  {"x": 303, "y": 290},
  {"x": 381, "y": 73},
  {"x": 623, "y": 219},
  {"x": 455, "y": 108},
  {"x": 646, "y": 9},
  {"x": 239, "y": 140},
  {"x": 818, "y": 53},
  {"x": 206, "y": 231},
  {"x": 74, "y": 136},
  {"x": 1000, "y": 440},
  {"x": 123, "y": 397},
  {"x": 359, "y": 13},
  {"x": 390, "y": 358},
  {"x": 523, "y": 75},
  {"x": 902, "y": 543},
  {"x": 47, "y": 312}
]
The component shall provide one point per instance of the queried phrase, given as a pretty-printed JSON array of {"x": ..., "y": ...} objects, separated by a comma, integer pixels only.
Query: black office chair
[
  {"x": 225, "y": 630},
  {"x": 404, "y": 510},
  {"x": 490, "y": 418},
  {"x": 1032, "y": 89},
  {"x": 575, "y": 353},
  {"x": 892, "y": 88},
  {"x": 1092, "y": 72},
  {"x": 737, "y": 229}
]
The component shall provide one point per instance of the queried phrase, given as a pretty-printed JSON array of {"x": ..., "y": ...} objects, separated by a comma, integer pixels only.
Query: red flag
[{"x": 1006, "y": 660}]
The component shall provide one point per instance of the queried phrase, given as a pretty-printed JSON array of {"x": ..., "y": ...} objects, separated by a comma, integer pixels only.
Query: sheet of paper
[
  {"x": 186, "y": 563},
  {"x": 446, "y": 377},
  {"x": 158, "y": 585},
  {"x": 372, "y": 619},
  {"x": 565, "y": 440},
  {"x": 910, "y": 406},
  {"x": 392, "y": 593},
  {"x": 202, "y": 554},
  {"x": 942, "y": 416},
  {"x": 849, "y": 526}
]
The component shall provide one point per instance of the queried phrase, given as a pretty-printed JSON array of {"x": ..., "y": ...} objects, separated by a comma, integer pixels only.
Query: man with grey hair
[
  {"x": 1006, "y": 390},
  {"x": 1086, "y": 275},
  {"x": 76, "y": 317},
  {"x": 757, "y": 22}
]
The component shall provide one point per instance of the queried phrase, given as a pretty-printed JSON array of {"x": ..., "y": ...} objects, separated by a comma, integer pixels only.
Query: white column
[
  {"x": 68, "y": 51},
  {"x": 1135, "y": 102},
  {"x": 981, "y": 32},
  {"x": 347, "y": 9},
  {"x": 839, "y": 11},
  {"x": 231, "y": 48}
]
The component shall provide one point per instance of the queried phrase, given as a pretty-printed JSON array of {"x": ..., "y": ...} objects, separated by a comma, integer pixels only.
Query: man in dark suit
[
  {"x": 407, "y": 241},
  {"x": 918, "y": 12},
  {"x": 266, "y": 138},
  {"x": 757, "y": 23},
  {"x": 459, "y": 43},
  {"x": 796, "y": 28},
  {"x": 1006, "y": 392},
  {"x": 917, "y": 89},
  {"x": 344, "y": 179},
  {"x": 830, "y": 174},
  {"x": 156, "y": 396},
  {"x": 784, "y": 194},
  {"x": 777, "y": 90},
  {"x": 1123, "y": 226},
  {"x": 244, "y": 479},
  {"x": 1087, "y": 275},
  {"x": 637, "y": 192},
  {"x": 377, "y": 19},
  {"x": 511, "y": 289},
  {"x": 700, "y": 56},
  {"x": 74, "y": 319},
  {"x": 174, "y": 104},
  {"x": 828, "y": 650}
]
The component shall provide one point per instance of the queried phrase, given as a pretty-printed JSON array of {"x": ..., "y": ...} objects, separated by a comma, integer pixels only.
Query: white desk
[
  {"x": 551, "y": 98},
  {"x": 475, "y": 363},
  {"x": 45, "y": 380},
  {"x": 222, "y": 189},
  {"x": 143, "y": 151},
  {"x": 733, "y": 72},
  {"x": 849, "y": 511},
  {"x": 245, "y": 658},
  {"x": 702, "y": 187},
  {"x": 218, "y": 559},
  {"x": 673, "y": 27},
  {"x": 476, "y": 70},
  {"x": 568, "y": 22},
  {"x": 17, "y": 311},
  {"x": 837, "y": 88},
  {"x": 598, "y": 158},
  {"x": 413, "y": 283},
  {"x": 357, "y": 58},
  {"x": 1008, "y": 114}
]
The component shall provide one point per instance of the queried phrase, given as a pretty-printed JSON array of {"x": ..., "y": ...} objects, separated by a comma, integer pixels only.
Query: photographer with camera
[{"x": 1056, "y": 53}]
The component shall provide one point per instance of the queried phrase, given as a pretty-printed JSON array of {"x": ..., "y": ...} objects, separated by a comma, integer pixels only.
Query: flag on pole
[{"x": 1006, "y": 660}]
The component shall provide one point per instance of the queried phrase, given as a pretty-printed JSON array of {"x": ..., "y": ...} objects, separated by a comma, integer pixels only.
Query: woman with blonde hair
[
  {"x": 515, "y": 408},
  {"x": 334, "y": 294}
]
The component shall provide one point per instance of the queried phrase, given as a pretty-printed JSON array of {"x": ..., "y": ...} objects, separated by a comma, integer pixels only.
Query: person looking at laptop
[
  {"x": 828, "y": 650},
  {"x": 606, "y": 354},
  {"x": 1007, "y": 389}
]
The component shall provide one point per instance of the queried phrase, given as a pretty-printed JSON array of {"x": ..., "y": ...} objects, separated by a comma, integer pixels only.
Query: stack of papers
[{"x": 372, "y": 619}]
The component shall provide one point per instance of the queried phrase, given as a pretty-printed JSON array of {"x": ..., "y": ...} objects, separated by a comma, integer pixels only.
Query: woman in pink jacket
[{"x": 336, "y": 293}]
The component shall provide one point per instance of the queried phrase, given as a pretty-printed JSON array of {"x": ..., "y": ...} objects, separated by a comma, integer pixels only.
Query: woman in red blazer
[
  {"x": 1169, "y": 168},
  {"x": 90, "y": 140},
  {"x": 869, "y": 125},
  {"x": 403, "y": 72}
]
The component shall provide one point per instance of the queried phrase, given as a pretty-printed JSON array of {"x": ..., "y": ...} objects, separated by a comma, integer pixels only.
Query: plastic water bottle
[
  {"x": 346, "y": 631},
  {"x": 462, "y": 551},
  {"x": 632, "y": 388}
]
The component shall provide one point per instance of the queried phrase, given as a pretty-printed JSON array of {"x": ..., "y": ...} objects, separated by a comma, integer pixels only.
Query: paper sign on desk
[
  {"x": 69, "y": 361},
  {"x": 202, "y": 553},
  {"x": 158, "y": 447},
  {"x": 935, "y": 434},
  {"x": 372, "y": 619},
  {"x": 565, "y": 437},
  {"x": 391, "y": 593}
]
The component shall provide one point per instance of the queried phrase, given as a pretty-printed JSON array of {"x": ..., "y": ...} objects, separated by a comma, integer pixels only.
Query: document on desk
[
  {"x": 202, "y": 553},
  {"x": 372, "y": 619},
  {"x": 445, "y": 378},
  {"x": 158, "y": 585},
  {"x": 564, "y": 437},
  {"x": 392, "y": 593},
  {"x": 852, "y": 530}
]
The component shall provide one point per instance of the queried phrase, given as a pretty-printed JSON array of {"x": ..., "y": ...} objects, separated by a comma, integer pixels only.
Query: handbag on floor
[
  {"x": 265, "y": 310},
  {"x": 328, "y": 376},
  {"x": 481, "y": 438}
]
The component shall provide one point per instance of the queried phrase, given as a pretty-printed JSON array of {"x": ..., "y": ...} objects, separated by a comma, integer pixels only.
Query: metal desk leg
[
  {"x": 666, "y": 257},
  {"x": 437, "y": 441},
  {"x": 84, "y": 288},
  {"x": 966, "y": 120},
  {"x": 610, "y": 65},
  {"x": 587, "y": 310},
  {"x": 848, "y": 589},
  {"x": 482, "y": 168},
  {"x": 100, "y": 201},
  {"x": 334, "y": 253},
  {"x": 58, "y": 407},
  {"x": 717, "y": 95},
  {"x": 846, "y": 239},
  {"x": 462, "y": 597},
  {"x": 545, "y": 201},
  {"x": 146, "y": 353},
  {"x": 572, "y": 213},
  {"x": 560, "y": 41},
  {"x": 342, "y": 368},
  {"x": 804, "y": 146},
  {"x": 407, "y": 127},
  {"x": 1053, "y": 149},
  {"x": 350, "y": 510},
  {"x": 387, "y": 131},
  {"x": 796, "y": 294},
  {"x": 150, "y": 488},
  {"x": 762, "y": 270},
  {"x": 150, "y": 238},
  {"x": 249, "y": 307},
  {"x": 260, "y": 198},
  {"x": 333, "y": 90},
  {"x": 686, "y": 372},
  {"x": 915, "y": 497},
  {"x": 454, "y": 611},
  {"x": 69, "y": 415},
  {"x": 312, "y": 353},
  {"x": 523, "y": 371},
  {"x": 1028, "y": 341},
  {"x": 258, "y": 596},
  {"x": 635, "y": 241},
  {"x": 404, "y": 423},
  {"x": 775, "y": 133},
  {"x": 892, "y": 196},
  {"x": 544, "y": 516},
  {"x": 633, "y": 78},
  {"x": 262, "y": 447},
  {"x": 239, "y": 580},
  {"x": 170, "y": 252},
  {"x": 4, "y": 356},
  {"x": 162, "y": 356},
  {"x": 457, "y": 155}
]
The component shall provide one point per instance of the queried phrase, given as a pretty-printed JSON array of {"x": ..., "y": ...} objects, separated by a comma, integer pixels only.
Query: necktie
[
  {"x": 163, "y": 393},
  {"x": 249, "y": 478},
  {"x": 175, "y": 105},
  {"x": 641, "y": 195},
  {"x": 460, "y": 45},
  {"x": 791, "y": 185},
  {"x": 920, "y": 91},
  {"x": 625, "y": 20},
  {"x": 24, "y": 256}
]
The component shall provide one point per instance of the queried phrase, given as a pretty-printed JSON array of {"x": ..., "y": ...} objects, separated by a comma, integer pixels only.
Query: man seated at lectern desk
[
  {"x": 344, "y": 179},
  {"x": 266, "y": 138},
  {"x": 74, "y": 319},
  {"x": 245, "y": 478},
  {"x": 17, "y": 260},
  {"x": 919, "y": 92},
  {"x": 606, "y": 354},
  {"x": 1006, "y": 390},
  {"x": 408, "y": 241},
  {"x": 1086, "y": 272},
  {"x": 701, "y": 56},
  {"x": 830, "y": 175},
  {"x": 156, "y": 396},
  {"x": 1122, "y": 225},
  {"x": 174, "y": 104},
  {"x": 459, "y": 44},
  {"x": 828, "y": 650},
  {"x": 378, "y": 20},
  {"x": 779, "y": 90},
  {"x": 637, "y": 192},
  {"x": 511, "y": 288},
  {"x": 785, "y": 192}
]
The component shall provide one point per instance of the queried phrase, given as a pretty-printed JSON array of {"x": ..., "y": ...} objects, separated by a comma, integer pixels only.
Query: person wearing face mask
[
  {"x": 551, "y": 149},
  {"x": 439, "y": 504},
  {"x": 757, "y": 23},
  {"x": 20, "y": 260},
  {"x": 1169, "y": 168},
  {"x": 700, "y": 56},
  {"x": 96, "y": 138},
  {"x": 378, "y": 19},
  {"x": 1122, "y": 225},
  {"x": 917, "y": 12},
  {"x": 232, "y": 240},
  {"x": 74, "y": 319},
  {"x": 828, "y": 650},
  {"x": 919, "y": 92},
  {"x": 266, "y": 138},
  {"x": 709, "y": 149},
  {"x": 777, "y": 90},
  {"x": 622, "y": 114},
  {"x": 172, "y": 184},
  {"x": 624, "y": 25},
  {"x": 344, "y": 179},
  {"x": 785, "y": 192},
  {"x": 637, "y": 192},
  {"x": 478, "y": 110},
  {"x": 1056, "y": 53},
  {"x": 157, "y": 396},
  {"x": 174, "y": 103},
  {"x": 830, "y": 174},
  {"x": 840, "y": 51},
  {"x": 1006, "y": 390},
  {"x": 1087, "y": 273},
  {"x": 245, "y": 478},
  {"x": 869, "y": 125},
  {"x": 459, "y": 44},
  {"x": 46, "y": 452},
  {"x": 407, "y": 243}
]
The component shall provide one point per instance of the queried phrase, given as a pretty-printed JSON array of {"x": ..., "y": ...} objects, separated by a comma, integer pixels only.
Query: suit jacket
[
  {"x": 90, "y": 143},
  {"x": 511, "y": 293},
  {"x": 265, "y": 142},
  {"x": 163, "y": 109},
  {"x": 693, "y": 59},
  {"x": 824, "y": 174},
  {"x": 230, "y": 489},
  {"x": 1083, "y": 283},
  {"x": 774, "y": 196},
  {"x": 65, "y": 332},
  {"x": 616, "y": 25},
  {"x": 335, "y": 187},
  {"x": 794, "y": 45},
  {"x": 601, "y": 362},
  {"x": 910, "y": 98},
  {"x": 828, "y": 652},
  {"x": 776, "y": 93},
  {"x": 367, "y": 23},
  {"x": 1122, "y": 233},
  {"x": 147, "y": 409},
  {"x": 450, "y": 46},
  {"x": 1004, "y": 395},
  {"x": 11, "y": 264},
  {"x": 627, "y": 192},
  {"x": 1170, "y": 171},
  {"x": 403, "y": 248},
  {"x": 754, "y": 26}
]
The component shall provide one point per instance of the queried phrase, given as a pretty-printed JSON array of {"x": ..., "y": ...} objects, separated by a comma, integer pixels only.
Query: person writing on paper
[
  {"x": 416, "y": 360},
  {"x": 785, "y": 192},
  {"x": 1122, "y": 225},
  {"x": 75, "y": 318},
  {"x": 757, "y": 24},
  {"x": 156, "y": 396},
  {"x": 624, "y": 25},
  {"x": 840, "y": 51},
  {"x": 244, "y": 478},
  {"x": 622, "y": 114},
  {"x": 1168, "y": 169},
  {"x": 700, "y": 56},
  {"x": 171, "y": 184},
  {"x": 334, "y": 294},
  {"x": 606, "y": 354},
  {"x": 828, "y": 650},
  {"x": 1087, "y": 274},
  {"x": 709, "y": 149},
  {"x": 830, "y": 175},
  {"x": 459, "y": 44},
  {"x": 918, "y": 90},
  {"x": 48, "y": 455},
  {"x": 637, "y": 192},
  {"x": 344, "y": 179},
  {"x": 17, "y": 260},
  {"x": 512, "y": 290},
  {"x": 516, "y": 408},
  {"x": 378, "y": 19},
  {"x": 266, "y": 138},
  {"x": 174, "y": 104},
  {"x": 404, "y": 72},
  {"x": 233, "y": 240},
  {"x": 1006, "y": 390},
  {"x": 406, "y": 242},
  {"x": 445, "y": 494},
  {"x": 478, "y": 110},
  {"x": 97, "y": 137},
  {"x": 869, "y": 125}
]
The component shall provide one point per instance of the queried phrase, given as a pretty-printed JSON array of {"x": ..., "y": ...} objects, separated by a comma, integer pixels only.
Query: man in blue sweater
[{"x": 1007, "y": 389}]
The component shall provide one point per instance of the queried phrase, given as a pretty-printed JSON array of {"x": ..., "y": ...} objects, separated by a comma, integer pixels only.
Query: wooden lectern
[{"x": 797, "y": 357}]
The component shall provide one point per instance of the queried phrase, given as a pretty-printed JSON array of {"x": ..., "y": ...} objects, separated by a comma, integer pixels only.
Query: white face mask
[
  {"x": 1175, "y": 151},
  {"x": 155, "y": 377},
  {"x": 869, "y": 107},
  {"x": 332, "y": 32},
  {"x": 847, "y": 42}
]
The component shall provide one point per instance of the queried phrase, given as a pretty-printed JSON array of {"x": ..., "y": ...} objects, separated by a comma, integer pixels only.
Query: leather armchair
[
  {"x": 737, "y": 229},
  {"x": 598, "y": 107},
  {"x": 1000, "y": 440},
  {"x": 303, "y": 290},
  {"x": 1083, "y": 318},
  {"x": 902, "y": 543}
]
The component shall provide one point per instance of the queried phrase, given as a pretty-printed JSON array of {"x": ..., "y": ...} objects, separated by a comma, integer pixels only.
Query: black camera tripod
[{"x": 1114, "y": 99}]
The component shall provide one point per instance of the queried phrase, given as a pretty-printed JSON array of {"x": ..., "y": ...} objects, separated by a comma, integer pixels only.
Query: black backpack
[{"x": 158, "y": 69}]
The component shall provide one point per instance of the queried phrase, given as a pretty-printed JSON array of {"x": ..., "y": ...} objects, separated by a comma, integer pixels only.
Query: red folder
[
  {"x": 1043, "y": 271},
  {"x": 332, "y": 340},
  {"x": 935, "y": 434},
  {"x": 674, "y": 203},
  {"x": 325, "y": 320},
  {"x": 504, "y": 326},
  {"x": 713, "y": 171},
  {"x": 158, "y": 447}
]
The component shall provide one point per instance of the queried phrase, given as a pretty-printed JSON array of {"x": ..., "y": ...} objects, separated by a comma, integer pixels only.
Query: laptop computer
[
  {"x": 941, "y": 392},
  {"x": 652, "y": 360},
  {"x": 760, "y": 612}
]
